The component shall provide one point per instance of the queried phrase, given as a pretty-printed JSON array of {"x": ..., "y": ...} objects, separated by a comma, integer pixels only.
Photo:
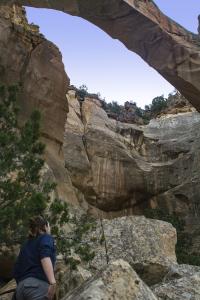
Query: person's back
[
  {"x": 29, "y": 260},
  {"x": 34, "y": 268}
]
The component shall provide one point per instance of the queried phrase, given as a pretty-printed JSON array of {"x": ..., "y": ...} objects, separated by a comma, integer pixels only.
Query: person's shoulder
[{"x": 46, "y": 238}]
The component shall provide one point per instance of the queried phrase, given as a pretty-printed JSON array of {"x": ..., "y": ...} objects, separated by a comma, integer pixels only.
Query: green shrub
[
  {"x": 22, "y": 195},
  {"x": 158, "y": 104}
]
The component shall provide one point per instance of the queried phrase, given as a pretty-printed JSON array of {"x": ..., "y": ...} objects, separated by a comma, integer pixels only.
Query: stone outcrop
[
  {"x": 185, "y": 288},
  {"x": 178, "y": 271},
  {"x": 127, "y": 113},
  {"x": 28, "y": 59},
  {"x": 176, "y": 103},
  {"x": 117, "y": 281},
  {"x": 147, "y": 245},
  {"x": 98, "y": 167},
  {"x": 143, "y": 28}
]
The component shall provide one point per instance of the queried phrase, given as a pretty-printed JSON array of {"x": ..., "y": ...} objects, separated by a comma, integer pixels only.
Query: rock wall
[
  {"x": 28, "y": 59},
  {"x": 117, "y": 166},
  {"x": 119, "y": 169}
]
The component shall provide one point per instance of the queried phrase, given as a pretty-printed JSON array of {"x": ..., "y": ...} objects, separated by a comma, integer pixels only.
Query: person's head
[{"x": 38, "y": 225}]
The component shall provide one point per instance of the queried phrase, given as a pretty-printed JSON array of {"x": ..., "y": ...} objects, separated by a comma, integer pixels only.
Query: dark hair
[{"x": 36, "y": 226}]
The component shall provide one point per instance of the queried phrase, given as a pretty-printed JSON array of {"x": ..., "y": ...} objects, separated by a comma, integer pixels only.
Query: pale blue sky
[{"x": 93, "y": 58}]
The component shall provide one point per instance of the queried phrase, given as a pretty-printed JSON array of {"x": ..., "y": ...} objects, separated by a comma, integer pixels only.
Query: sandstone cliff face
[
  {"x": 117, "y": 166},
  {"x": 120, "y": 169},
  {"x": 96, "y": 163},
  {"x": 144, "y": 29},
  {"x": 28, "y": 59}
]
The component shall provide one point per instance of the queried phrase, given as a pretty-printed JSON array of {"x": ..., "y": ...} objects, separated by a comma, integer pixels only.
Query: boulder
[
  {"x": 69, "y": 278},
  {"x": 117, "y": 281},
  {"x": 178, "y": 271},
  {"x": 185, "y": 288},
  {"x": 147, "y": 245}
]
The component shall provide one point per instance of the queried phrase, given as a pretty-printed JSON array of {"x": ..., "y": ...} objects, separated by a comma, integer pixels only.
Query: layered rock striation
[{"x": 117, "y": 166}]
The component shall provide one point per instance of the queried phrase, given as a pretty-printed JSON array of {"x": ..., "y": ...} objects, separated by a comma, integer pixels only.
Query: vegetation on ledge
[{"x": 130, "y": 112}]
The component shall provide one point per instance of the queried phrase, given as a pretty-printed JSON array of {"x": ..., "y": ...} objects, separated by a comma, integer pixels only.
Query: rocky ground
[{"x": 135, "y": 260}]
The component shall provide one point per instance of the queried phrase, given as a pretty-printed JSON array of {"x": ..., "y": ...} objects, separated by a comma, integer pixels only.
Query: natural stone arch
[{"x": 165, "y": 45}]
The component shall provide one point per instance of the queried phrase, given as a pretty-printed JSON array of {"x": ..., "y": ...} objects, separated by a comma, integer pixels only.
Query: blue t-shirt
[{"x": 28, "y": 263}]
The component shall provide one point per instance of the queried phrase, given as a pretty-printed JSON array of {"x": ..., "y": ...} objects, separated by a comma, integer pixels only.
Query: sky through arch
[{"x": 93, "y": 58}]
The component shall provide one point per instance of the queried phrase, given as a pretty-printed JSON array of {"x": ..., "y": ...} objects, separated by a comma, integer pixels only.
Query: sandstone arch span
[{"x": 165, "y": 45}]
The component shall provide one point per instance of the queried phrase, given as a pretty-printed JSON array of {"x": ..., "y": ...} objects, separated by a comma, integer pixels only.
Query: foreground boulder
[
  {"x": 7, "y": 290},
  {"x": 147, "y": 245},
  {"x": 68, "y": 278},
  {"x": 185, "y": 288},
  {"x": 118, "y": 281}
]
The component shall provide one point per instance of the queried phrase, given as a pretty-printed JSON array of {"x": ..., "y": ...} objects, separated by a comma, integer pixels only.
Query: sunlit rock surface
[
  {"x": 120, "y": 169},
  {"x": 147, "y": 245},
  {"x": 118, "y": 166},
  {"x": 28, "y": 59},
  {"x": 117, "y": 281},
  {"x": 142, "y": 28},
  {"x": 99, "y": 163},
  {"x": 35, "y": 64}
]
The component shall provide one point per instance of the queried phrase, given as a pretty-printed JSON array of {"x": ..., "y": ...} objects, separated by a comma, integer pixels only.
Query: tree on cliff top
[
  {"x": 158, "y": 104},
  {"x": 22, "y": 193}
]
